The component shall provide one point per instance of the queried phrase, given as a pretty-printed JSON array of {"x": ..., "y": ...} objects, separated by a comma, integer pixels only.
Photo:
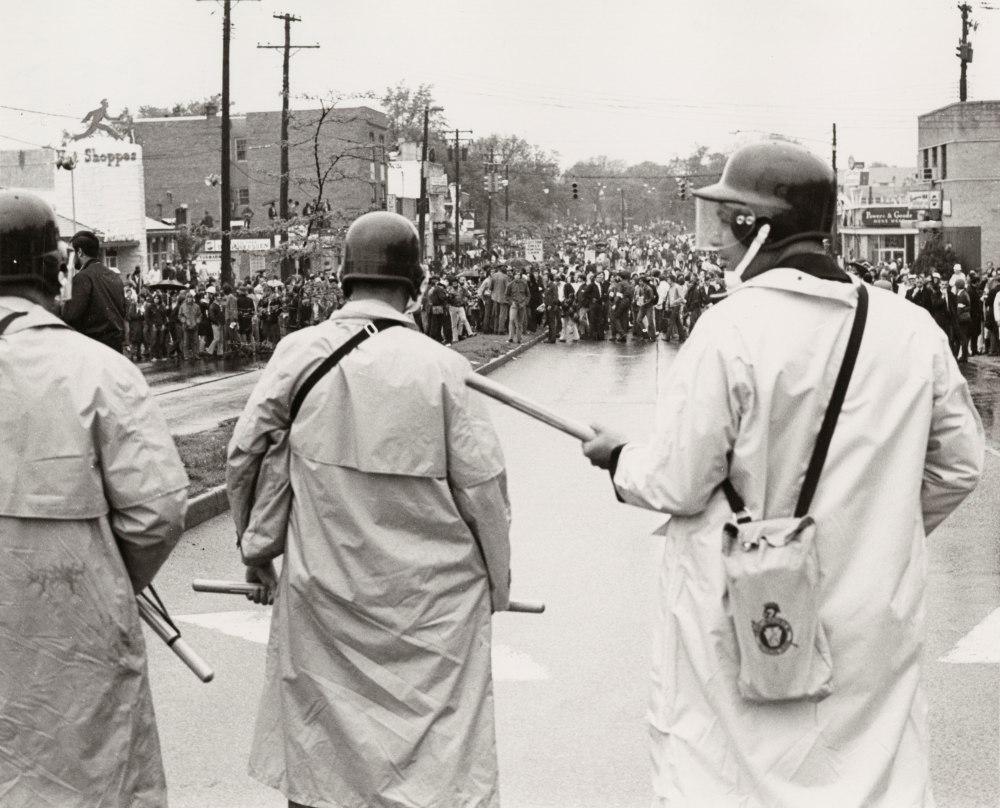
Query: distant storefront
[
  {"x": 883, "y": 224},
  {"x": 104, "y": 189}
]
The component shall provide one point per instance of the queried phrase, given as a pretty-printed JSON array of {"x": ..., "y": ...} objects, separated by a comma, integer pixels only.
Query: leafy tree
[
  {"x": 935, "y": 256},
  {"x": 180, "y": 109},
  {"x": 404, "y": 106},
  {"x": 188, "y": 243}
]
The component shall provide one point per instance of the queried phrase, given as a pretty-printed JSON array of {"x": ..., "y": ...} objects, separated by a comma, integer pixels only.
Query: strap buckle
[
  {"x": 371, "y": 329},
  {"x": 743, "y": 516}
]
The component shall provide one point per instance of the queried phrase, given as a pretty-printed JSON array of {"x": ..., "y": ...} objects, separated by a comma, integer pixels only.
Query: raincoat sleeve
[
  {"x": 257, "y": 466},
  {"x": 478, "y": 483},
  {"x": 956, "y": 444},
  {"x": 144, "y": 479},
  {"x": 710, "y": 388}
]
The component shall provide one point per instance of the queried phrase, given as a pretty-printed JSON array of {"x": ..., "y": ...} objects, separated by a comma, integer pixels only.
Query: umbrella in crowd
[{"x": 166, "y": 286}]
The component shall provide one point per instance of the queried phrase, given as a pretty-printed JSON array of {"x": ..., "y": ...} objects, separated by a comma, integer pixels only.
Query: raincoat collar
[
  {"x": 35, "y": 316},
  {"x": 787, "y": 279},
  {"x": 372, "y": 310}
]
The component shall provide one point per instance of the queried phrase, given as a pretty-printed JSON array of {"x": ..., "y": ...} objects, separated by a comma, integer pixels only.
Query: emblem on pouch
[{"x": 773, "y": 633}]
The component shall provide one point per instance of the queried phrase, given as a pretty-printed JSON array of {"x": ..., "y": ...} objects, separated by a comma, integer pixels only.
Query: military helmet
[
  {"x": 29, "y": 242},
  {"x": 382, "y": 247},
  {"x": 774, "y": 182}
]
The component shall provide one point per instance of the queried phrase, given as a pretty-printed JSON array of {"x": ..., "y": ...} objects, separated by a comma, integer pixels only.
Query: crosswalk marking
[
  {"x": 509, "y": 664},
  {"x": 979, "y": 646}
]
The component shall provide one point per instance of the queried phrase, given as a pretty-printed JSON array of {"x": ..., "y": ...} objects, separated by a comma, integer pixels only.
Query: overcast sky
[{"x": 631, "y": 79}]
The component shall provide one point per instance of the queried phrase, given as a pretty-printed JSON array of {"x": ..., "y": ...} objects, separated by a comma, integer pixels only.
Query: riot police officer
[
  {"x": 92, "y": 500},
  {"x": 744, "y": 402},
  {"x": 395, "y": 548}
]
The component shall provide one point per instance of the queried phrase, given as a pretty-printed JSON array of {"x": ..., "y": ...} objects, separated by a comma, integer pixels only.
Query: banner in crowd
[{"x": 533, "y": 249}]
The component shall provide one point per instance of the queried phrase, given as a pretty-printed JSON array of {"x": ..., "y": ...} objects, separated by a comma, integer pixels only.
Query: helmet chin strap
[{"x": 751, "y": 253}]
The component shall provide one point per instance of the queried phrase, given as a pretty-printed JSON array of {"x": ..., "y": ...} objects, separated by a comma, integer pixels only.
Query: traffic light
[
  {"x": 964, "y": 51},
  {"x": 682, "y": 189},
  {"x": 576, "y": 191},
  {"x": 488, "y": 183}
]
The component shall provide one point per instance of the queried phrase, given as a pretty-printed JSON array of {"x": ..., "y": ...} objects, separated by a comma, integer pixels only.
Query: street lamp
[{"x": 68, "y": 162}]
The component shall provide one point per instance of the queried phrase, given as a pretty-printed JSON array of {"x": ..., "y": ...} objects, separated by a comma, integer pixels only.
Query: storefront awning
[{"x": 877, "y": 231}]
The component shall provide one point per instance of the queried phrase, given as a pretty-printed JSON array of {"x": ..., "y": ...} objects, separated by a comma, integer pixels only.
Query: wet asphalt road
[{"x": 572, "y": 684}]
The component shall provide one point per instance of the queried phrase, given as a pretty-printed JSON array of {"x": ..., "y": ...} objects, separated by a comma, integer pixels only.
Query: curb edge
[{"x": 213, "y": 502}]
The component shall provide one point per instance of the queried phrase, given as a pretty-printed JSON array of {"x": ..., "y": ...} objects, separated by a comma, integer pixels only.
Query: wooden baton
[
  {"x": 505, "y": 395},
  {"x": 241, "y": 588},
  {"x": 174, "y": 641}
]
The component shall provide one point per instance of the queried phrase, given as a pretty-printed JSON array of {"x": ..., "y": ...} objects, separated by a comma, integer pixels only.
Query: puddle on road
[{"x": 984, "y": 384}]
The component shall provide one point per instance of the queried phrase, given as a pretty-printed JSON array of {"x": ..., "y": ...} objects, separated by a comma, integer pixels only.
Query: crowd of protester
[
  {"x": 595, "y": 283},
  {"x": 964, "y": 305},
  {"x": 174, "y": 321}
]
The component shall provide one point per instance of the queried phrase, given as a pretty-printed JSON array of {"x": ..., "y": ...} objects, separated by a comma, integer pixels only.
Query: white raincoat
[
  {"x": 92, "y": 500},
  {"x": 746, "y": 397},
  {"x": 379, "y": 690}
]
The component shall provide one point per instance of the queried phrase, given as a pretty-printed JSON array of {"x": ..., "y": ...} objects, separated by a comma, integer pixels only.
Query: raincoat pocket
[{"x": 772, "y": 583}]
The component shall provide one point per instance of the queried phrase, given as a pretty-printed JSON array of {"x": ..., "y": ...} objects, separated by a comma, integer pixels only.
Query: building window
[
  {"x": 371, "y": 173},
  {"x": 381, "y": 138},
  {"x": 371, "y": 136},
  {"x": 934, "y": 157},
  {"x": 159, "y": 211},
  {"x": 944, "y": 161},
  {"x": 244, "y": 196},
  {"x": 241, "y": 150},
  {"x": 927, "y": 158}
]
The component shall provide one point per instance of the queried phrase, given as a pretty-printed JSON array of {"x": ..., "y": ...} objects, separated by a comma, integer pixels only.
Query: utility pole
[
  {"x": 384, "y": 204},
  {"x": 506, "y": 195},
  {"x": 622, "y": 192},
  {"x": 835, "y": 242},
  {"x": 226, "y": 270},
  {"x": 458, "y": 190},
  {"x": 490, "y": 181},
  {"x": 964, "y": 51},
  {"x": 423, "y": 203},
  {"x": 285, "y": 94}
]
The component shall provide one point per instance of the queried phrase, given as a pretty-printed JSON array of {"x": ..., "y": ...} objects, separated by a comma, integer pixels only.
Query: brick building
[
  {"x": 958, "y": 155},
  {"x": 181, "y": 152}
]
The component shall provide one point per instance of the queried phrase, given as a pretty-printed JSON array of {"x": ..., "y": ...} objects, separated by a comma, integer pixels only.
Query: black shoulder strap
[
  {"x": 6, "y": 321},
  {"x": 836, "y": 402},
  {"x": 331, "y": 361},
  {"x": 829, "y": 420}
]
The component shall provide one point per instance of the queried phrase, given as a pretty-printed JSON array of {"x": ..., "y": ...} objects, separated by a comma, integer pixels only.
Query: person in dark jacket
[
  {"x": 156, "y": 321},
  {"x": 974, "y": 287},
  {"x": 97, "y": 307},
  {"x": 439, "y": 324},
  {"x": 550, "y": 298}
]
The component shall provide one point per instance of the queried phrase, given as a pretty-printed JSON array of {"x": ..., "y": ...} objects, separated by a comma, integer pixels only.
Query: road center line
[{"x": 979, "y": 646}]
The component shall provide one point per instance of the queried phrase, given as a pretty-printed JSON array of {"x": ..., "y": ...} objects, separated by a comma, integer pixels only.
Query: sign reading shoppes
[
  {"x": 885, "y": 217},
  {"x": 238, "y": 245}
]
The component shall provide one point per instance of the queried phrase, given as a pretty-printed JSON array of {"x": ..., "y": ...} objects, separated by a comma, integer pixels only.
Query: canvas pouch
[{"x": 772, "y": 591}]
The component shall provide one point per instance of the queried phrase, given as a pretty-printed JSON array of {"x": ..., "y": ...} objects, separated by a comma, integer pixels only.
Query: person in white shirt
[{"x": 956, "y": 276}]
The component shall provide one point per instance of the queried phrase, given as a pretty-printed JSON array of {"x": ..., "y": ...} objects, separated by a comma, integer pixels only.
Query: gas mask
[{"x": 723, "y": 225}]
